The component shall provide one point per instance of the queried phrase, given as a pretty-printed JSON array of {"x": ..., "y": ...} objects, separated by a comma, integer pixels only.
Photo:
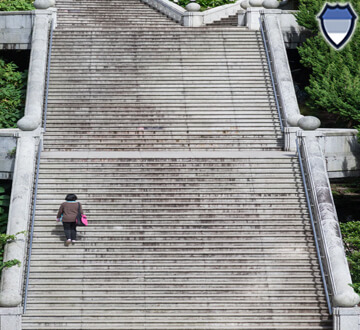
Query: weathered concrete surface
[
  {"x": 287, "y": 96},
  {"x": 327, "y": 222},
  {"x": 216, "y": 14},
  {"x": 37, "y": 71},
  {"x": 309, "y": 123},
  {"x": 346, "y": 318},
  {"x": 10, "y": 318},
  {"x": 168, "y": 8},
  {"x": 15, "y": 30},
  {"x": 342, "y": 152},
  {"x": 339, "y": 146},
  {"x": 293, "y": 33},
  {"x": 19, "y": 216},
  {"x": 194, "y": 19},
  {"x": 8, "y": 140}
]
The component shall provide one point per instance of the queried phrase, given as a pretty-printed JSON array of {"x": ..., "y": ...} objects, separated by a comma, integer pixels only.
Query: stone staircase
[
  {"x": 170, "y": 138},
  {"x": 176, "y": 243}
]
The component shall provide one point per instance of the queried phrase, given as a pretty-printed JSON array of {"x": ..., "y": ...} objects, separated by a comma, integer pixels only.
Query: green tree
[
  {"x": 5, "y": 188},
  {"x": 351, "y": 235},
  {"x": 204, "y": 4},
  {"x": 334, "y": 83},
  {"x": 16, "y": 5},
  {"x": 12, "y": 94}
]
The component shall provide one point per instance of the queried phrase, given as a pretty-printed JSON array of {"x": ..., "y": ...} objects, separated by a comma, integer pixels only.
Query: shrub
[
  {"x": 4, "y": 239},
  {"x": 204, "y": 4},
  {"x": 16, "y": 5},
  {"x": 12, "y": 94},
  {"x": 351, "y": 235},
  {"x": 334, "y": 83},
  {"x": 4, "y": 206}
]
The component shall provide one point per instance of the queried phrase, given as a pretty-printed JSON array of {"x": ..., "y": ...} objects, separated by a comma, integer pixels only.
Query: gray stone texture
[
  {"x": 7, "y": 144},
  {"x": 37, "y": 70},
  {"x": 10, "y": 318},
  {"x": 346, "y": 318},
  {"x": 309, "y": 123},
  {"x": 192, "y": 6},
  {"x": 19, "y": 215},
  {"x": 44, "y": 4},
  {"x": 15, "y": 30},
  {"x": 342, "y": 294},
  {"x": 287, "y": 96},
  {"x": 340, "y": 147}
]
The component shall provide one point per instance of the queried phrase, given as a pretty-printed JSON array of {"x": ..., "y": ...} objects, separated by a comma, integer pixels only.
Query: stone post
[
  {"x": 346, "y": 318},
  {"x": 253, "y": 17},
  {"x": 193, "y": 17}
]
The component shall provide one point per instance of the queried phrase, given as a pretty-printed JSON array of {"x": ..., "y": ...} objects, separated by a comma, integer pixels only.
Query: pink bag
[{"x": 83, "y": 221}]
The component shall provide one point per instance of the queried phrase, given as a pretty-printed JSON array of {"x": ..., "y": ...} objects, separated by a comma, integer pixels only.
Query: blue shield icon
[{"x": 337, "y": 24}]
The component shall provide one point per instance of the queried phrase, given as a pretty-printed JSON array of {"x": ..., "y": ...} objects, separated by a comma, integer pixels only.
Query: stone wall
[
  {"x": 16, "y": 29},
  {"x": 8, "y": 139}
]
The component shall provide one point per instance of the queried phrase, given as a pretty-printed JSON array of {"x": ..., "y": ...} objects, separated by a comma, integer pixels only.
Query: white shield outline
[{"x": 352, "y": 24}]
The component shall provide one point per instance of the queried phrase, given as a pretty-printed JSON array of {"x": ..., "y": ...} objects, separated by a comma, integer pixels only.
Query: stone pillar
[
  {"x": 253, "y": 18},
  {"x": 343, "y": 294},
  {"x": 19, "y": 216},
  {"x": 37, "y": 72},
  {"x": 10, "y": 318},
  {"x": 346, "y": 318},
  {"x": 193, "y": 17}
]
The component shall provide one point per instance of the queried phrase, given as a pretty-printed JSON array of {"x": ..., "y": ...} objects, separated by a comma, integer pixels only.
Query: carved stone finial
[
  {"x": 271, "y": 4},
  {"x": 256, "y": 3},
  {"x": 44, "y": 4},
  {"x": 192, "y": 6},
  {"x": 309, "y": 123},
  {"x": 245, "y": 4}
]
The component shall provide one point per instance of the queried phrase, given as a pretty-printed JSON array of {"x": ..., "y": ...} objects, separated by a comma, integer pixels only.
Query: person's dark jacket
[{"x": 69, "y": 211}]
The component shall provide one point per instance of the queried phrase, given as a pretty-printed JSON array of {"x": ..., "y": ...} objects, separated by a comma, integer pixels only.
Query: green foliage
[
  {"x": 12, "y": 94},
  {"x": 334, "y": 83},
  {"x": 16, "y": 5},
  {"x": 4, "y": 239},
  {"x": 351, "y": 235},
  {"x": 204, "y": 4},
  {"x": 4, "y": 205},
  {"x": 11, "y": 153}
]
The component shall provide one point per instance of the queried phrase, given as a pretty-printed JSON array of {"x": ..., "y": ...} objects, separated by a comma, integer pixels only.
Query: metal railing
[
  {"x": 270, "y": 70},
  {"x": 40, "y": 146},
  {"x": 48, "y": 74},
  {"x": 32, "y": 223},
  {"x": 298, "y": 148}
]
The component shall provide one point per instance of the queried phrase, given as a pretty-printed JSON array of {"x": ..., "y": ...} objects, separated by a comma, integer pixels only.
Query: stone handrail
[
  {"x": 37, "y": 71},
  {"x": 168, "y": 8},
  {"x": 19, "y": 217},
  {"x": 220, "y": 12},
  {"x": 331, "y": 242},
  {"x": 286, "y": 91},
  {"x": 193, "y": 19}
]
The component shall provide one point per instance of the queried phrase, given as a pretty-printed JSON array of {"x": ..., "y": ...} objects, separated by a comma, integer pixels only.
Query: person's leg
[
  {"x": 73, "y": 231},
  {"x": 67, "y": 229}
]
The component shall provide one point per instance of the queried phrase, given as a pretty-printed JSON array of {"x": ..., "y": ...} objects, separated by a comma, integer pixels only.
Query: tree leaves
[
  {"x": 204, "y": 4},
  {"x": 16, "y": 5},
  {"x": 351, "y": 236},
  {"x": 12, "y": 94},
  {"x": 334, "y": 83}
]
